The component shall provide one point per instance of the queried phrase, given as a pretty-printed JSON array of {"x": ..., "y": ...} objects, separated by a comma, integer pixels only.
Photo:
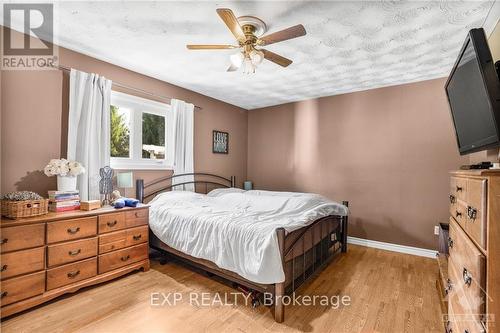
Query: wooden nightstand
[{"x": 47, "y": 256}]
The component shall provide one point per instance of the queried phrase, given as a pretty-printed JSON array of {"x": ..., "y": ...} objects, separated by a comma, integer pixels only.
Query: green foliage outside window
[
  {"x": 153, "y": 136},
  {"x": 120, "y": 134}
]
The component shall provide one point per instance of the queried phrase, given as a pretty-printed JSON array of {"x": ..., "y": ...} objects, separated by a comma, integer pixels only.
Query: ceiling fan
[{"x": 248, "y": 31}]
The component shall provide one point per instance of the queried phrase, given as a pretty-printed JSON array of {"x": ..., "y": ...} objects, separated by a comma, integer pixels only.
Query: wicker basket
[{"x": 26, "y": 208}]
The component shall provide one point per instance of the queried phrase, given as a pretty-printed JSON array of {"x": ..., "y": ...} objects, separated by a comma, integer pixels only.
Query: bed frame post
[
  {"x": 344, "y": 229},
  {"x": 139, "y": 190},
  {"x": 233, "y": 181},
  {"x": 279, "y": 288}
]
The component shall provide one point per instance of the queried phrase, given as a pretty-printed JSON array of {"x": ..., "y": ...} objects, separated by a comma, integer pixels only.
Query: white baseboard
[{"x": 416, "y": 251}]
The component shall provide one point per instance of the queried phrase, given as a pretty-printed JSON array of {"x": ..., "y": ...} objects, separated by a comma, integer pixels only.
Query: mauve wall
[
  {"x": 388, "y": 151},
  {"x": 34, "y": 123}
]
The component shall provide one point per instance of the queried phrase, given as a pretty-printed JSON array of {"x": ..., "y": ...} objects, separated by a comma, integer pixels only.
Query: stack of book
[{"x": 63, "y": 201}]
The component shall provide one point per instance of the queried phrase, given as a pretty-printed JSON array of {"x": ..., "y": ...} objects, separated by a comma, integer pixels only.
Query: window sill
[
  {"x": 143, "y": 168},
  {"x": 139, "y": 166}
]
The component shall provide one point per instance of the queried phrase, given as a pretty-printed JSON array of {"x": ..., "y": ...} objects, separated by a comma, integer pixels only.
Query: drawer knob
[
  {"x": 467, "y": 277},
  {"x": 74, "y": 274},
  {"x": 137, "y": 237},
  {"x": 459, "y": 188},
  {"x": 4, "y": 268},
  {"x": 453, "y": 199},
  {"x": 75, "y": 252},
  {"x": 127, "y": 257},
  {"x": 471, "y": 212},
  {"x": 136, "y": 214},
  {"x": 448, "y": 328},
  {"x": 3, "y": 241},
  {"x": 449, "y": 287},
  {"x": 458, "y": 214},
  {"x": 73, "y": 231},
  {"x": 112, "y": 223},
  {"x": 4, "y": 294},
  {"x": 450, "y": 242}
]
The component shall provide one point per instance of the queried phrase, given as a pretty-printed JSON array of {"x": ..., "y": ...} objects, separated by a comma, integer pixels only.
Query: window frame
[{"x": 138, "y": 106}]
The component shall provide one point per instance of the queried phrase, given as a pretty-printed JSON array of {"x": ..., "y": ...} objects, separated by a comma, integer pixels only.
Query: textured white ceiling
[{"x": 349, "y": 46}]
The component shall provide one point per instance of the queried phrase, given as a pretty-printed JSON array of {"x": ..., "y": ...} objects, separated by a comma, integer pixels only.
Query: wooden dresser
[
  {"x": 473, "y": 285},
  {"x": 47, "y": 256}
]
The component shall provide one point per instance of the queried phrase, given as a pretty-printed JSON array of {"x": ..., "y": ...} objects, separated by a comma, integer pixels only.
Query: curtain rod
[{"x": 124, "y": 86}]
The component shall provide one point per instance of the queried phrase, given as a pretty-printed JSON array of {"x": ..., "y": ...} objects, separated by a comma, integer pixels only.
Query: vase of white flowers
[
  {"x": 66, "y": 183},
  {"x": 66, "y": 172}
]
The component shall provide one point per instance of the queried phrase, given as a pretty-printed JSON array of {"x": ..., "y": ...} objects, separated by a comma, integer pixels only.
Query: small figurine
[
  {"x": 115, "y": 195},
  {"x": 120, "y": 202},
  {"x": 106, "y": 184}
]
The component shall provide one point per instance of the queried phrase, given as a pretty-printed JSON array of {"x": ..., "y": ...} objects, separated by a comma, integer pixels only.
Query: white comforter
[{"x": 236, "y": 229}]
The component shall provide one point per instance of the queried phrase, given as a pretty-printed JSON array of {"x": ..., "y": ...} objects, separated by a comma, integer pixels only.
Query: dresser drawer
[
  {"x": 111, "y": 222},
  {"x": 22, "y": 262},
  {"x": 458, "y": 187},
  {"x": 463, "y": 252},
  {"x": 22, "y": 237},
  {"x": 71, "y": 251},
  {"x": 70, "y": 273},
  {"x": 121, "y": 239},
  {"x": 137, "y": 217},
  {"x": 461, "y": 317},
  {"x": 137, "y": 235},
  {"x": 467, "y": 264},
  {"x": 112, "y": 241},
  {"x": 71, "y": 229},
  {"x": 475, "y": 225},
  {"x": 120, "y": 258},
  {"x": 470, "y": 302},
  {"x": 22, "y": 287}
]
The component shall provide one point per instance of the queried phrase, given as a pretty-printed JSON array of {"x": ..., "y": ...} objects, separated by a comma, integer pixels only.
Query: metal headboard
[{"x": 217, "y": 180}]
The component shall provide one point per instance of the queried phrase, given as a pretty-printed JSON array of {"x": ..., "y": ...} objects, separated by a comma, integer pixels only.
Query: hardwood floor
[{"x": 390, "y": 292}]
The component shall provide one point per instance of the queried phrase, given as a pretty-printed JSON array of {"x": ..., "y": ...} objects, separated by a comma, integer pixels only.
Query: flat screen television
[{"x": 473, "y": 90}]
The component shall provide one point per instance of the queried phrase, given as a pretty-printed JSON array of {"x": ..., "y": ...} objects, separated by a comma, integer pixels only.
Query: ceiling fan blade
[
  {"x": 279, "y": 36},
  {"x": 211, "y": 47},
  {"x": 232, "y": 23},
  {"x": 276, "y": 58}
]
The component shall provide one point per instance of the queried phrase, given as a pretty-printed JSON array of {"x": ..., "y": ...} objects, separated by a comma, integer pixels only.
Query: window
[{"x": 141, "y": 133}]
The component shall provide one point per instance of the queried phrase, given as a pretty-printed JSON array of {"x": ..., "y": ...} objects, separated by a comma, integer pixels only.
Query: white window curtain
[
  {"x": 89, "y": 128},
  {"x": 183, "y": 141}
]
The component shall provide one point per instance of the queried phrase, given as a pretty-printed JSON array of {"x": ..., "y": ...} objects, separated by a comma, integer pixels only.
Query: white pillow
[{"x": 221, "y": 191}]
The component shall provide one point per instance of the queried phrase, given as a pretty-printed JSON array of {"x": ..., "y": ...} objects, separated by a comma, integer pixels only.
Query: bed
[{"x": 264, "y": 241}]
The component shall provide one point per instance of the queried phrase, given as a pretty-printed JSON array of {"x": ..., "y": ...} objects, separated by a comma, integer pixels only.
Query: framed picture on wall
[{"x": 220, "y": 142}]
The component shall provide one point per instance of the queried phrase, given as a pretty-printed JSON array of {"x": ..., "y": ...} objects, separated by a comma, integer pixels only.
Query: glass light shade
[
  {"x": 256, "y": 56},
  {"x": 248, "y": 66},
  {"x": 125, "y": 180},
  {"x": 236, "y": 59}
]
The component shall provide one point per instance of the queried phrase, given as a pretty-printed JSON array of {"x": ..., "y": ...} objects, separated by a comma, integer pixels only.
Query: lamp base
[{"x": 247, "y": 186}]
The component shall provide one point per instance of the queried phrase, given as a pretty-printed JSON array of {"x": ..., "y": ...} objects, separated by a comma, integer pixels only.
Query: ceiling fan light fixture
[
  {"x": 248, "y": 66},
  {"x": 237, "y": 59},
  {"x": 248, "y": 31},
  {"x": 257, "y": 57}
]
